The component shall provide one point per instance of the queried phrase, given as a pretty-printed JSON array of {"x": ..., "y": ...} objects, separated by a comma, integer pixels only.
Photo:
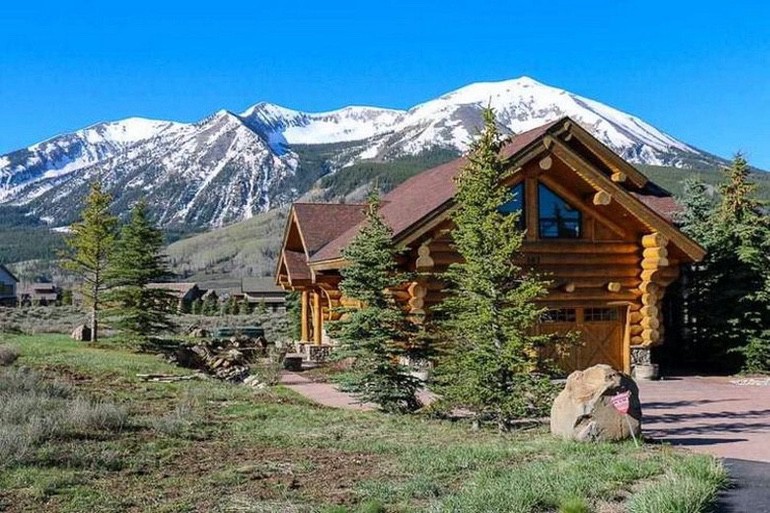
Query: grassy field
[{"x": 210, "y": 446}]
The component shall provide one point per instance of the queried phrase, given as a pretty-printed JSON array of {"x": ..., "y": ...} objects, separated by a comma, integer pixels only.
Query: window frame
[{"x": 540, "y": 231}]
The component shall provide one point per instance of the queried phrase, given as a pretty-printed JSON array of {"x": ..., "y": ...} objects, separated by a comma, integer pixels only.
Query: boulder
[
  {"x": 82, "y": 333},
  {"x": 584, "y": 412}
]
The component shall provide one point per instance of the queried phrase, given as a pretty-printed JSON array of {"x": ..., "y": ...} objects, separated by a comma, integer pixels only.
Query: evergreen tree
[
  {"x": 197, "y": 307},
  {"x": 727, "y": 294},
  {"x": 244, "y": 308},
  {"x": 210, "y": 305},
  {"x": 261, "y": 307},
  {"x": 136, "y": 262},
  {"x": 375, "y": 336},
  {"x": 492, "y": 367},
  {"x": 89, "y": 244}
]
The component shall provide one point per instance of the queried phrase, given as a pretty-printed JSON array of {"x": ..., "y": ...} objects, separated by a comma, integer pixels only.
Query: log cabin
[{"x": 596, "y": 228}]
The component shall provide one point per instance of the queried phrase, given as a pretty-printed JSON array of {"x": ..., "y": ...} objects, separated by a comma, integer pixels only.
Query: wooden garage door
[{"x": 599, "y": 337}]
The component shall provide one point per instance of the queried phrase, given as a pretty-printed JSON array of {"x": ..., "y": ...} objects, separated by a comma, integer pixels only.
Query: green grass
[{"x": 211, "y": 446}]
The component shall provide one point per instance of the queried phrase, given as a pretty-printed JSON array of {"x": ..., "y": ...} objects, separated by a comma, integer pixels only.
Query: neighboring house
[
  {"x": 8, "y": 283},
  {"x": 39, "y": 294},
  {"x": 264, "y": 291},
  {"x": 185, "y": 293},
  {"x": 597, "y": 227}
]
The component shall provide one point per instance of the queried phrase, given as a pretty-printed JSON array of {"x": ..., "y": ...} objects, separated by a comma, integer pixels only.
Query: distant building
[
  {"x": 8, "y": 284},
  {"x": 184, "y": 292},
  {"x": 264, "y": 290},
  {"x": 43, "y": 294}
]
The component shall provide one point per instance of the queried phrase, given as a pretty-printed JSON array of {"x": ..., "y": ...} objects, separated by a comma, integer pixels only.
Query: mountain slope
[{"x": 229, "y": 167}]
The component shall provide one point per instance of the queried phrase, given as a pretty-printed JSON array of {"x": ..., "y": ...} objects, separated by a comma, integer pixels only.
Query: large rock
[
  {"x": 583, "y": 411},
  {"x": 82, "y": 333}
]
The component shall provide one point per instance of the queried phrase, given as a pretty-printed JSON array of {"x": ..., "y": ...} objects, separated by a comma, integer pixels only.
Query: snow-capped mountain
[{"x": 228, "y": 167}]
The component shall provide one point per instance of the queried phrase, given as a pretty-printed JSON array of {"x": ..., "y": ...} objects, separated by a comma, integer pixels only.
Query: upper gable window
[
  {"x": 557, "y": 219},
  {"x": 516, "y": 204}
]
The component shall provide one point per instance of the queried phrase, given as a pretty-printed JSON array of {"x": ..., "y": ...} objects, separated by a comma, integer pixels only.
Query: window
[
  {"x": 560, "y": 315},
  {"x": 600, "y": 314},
  {"x": 516, "y": 205},
  {"x": 557, "y": 218}
]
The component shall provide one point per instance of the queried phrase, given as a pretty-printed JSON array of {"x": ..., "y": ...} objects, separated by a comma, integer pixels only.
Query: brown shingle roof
[
  {"x": 296, "y": 265},
  {"x": 320, "y": 223},
  {"x": 665, "y": 206},
  {"x": 417, "y": 197}
]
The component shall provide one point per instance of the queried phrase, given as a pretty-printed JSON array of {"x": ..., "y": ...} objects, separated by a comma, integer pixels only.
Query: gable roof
[
  {"x": 9, "y": 273},
  {"x": 321, "y": 223},
  {"x": 424, "y": 193},
  {"x": 427, "y": 195}
]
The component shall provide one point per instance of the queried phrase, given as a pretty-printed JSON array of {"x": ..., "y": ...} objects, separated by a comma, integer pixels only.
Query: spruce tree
[
  {"x": 727, "y": 293},
  {"x": 136, "y": 262},
  {"x": 376, "y": 335},
  {"x": 89, "y": 244},
  {"x": 492, "y": 367}
]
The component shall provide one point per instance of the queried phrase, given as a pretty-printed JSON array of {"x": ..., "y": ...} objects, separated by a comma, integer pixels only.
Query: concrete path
[
  {"x": 325, "y": 394},
  {"x": 709, "y": 415}
]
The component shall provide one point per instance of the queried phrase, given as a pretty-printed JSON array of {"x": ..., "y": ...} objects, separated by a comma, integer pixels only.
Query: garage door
[{"x": 599, "y": 333}]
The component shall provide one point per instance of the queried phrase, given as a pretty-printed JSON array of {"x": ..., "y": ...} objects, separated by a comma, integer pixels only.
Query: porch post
[
  {"x": 305, "y": 319},
  {"x": 317, "y": 317}
]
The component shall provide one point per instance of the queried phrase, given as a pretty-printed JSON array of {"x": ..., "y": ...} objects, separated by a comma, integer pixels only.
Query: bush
[
  {"x": 8, "y": 355},
  {"x": 33, "y": 410}
]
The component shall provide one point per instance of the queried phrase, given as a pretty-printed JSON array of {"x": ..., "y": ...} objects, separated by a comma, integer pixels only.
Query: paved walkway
[
  {"x": 709, "y": 415},
  {"x": 322, "y": 393}
]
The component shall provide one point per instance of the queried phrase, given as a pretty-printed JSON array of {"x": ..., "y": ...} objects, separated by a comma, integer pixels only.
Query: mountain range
[{"x": 229, "y": 167}]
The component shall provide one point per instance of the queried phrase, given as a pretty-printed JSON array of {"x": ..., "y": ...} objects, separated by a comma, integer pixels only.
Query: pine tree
[
  {"x": 89, "y": 244},
  {"x": 244, "y": 307},
  {"x": 210, "y": 305},
  {"x": 493, "y": 366},
  {"x": 728, "y": 293},
  {"x": 136, "y": 262},
  {"x": 197, "y": 307},
  {"x": 375, "y": 336}
]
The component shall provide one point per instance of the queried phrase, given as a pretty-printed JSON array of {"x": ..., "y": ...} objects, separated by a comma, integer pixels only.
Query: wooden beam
[
  {"x": 614, "y": 286},
  {"x": 601, "y": 198},
  {"x": 618, "y": 177},
  {"x": 304, "y": 318},
  {"x": 546, "y": 163},
  {"x": 317, "y": 318}
]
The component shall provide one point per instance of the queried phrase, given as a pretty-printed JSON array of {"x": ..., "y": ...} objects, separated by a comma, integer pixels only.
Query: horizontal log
[
  {"x": 608, "y": 272},
  {"x": 546, "y": 163},
  {"x": 649, "y": 299},
  {"x": 635, "y": 329},
  {"x": 569, "y": 287},
  {"x": 649, "y": 311},
  {"x": 635, "y": 317},
  {"x": 650, "y": 336},
  {"x": 537, "y": 258},
  {"x": 614, "y": 286},
  {"x": 571, "y": 246},
  {"x": 650, "y": 323},
  {"x": 618, "y": 176},
  {"x": 649, "y": 287},
  {"x": 637, "y": 340},
  {"x": 590, "y": 295},
  {"x": 654, "y": 263},
  {"x": 655, "y": 253},
  {"x": 601, "y": 198},
  {"x": 654, "y": 240}
]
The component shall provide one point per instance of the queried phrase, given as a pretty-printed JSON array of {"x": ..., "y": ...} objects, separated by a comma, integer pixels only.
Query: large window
[
  {"x": 516, "y": 204},
  {"x": 557, "y": 219}
]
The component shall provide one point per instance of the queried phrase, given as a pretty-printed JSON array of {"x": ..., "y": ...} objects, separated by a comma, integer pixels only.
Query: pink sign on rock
[{"x": 621, "y": 402}]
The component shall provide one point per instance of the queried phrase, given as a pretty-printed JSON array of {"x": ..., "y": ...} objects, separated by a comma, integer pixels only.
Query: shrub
[
  {"x": 33, "y": 410},
  {"x": 8, "y": 355}
]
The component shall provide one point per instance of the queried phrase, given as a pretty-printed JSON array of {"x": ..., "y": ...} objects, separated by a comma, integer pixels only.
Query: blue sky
[{"x": 698, "y": 70}]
